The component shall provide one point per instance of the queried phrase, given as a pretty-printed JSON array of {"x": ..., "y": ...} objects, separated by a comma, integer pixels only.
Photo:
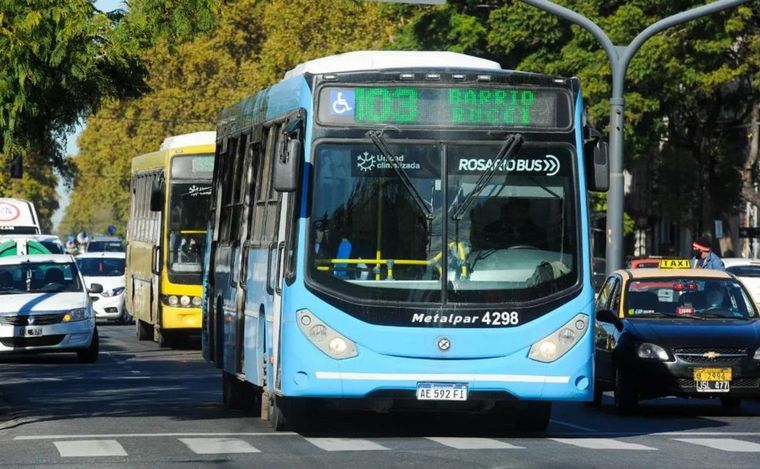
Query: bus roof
[
  {"x": 198, "y": 142},
  {"x": 188, "y": 140},
  {"x": 382, "y": 59}
]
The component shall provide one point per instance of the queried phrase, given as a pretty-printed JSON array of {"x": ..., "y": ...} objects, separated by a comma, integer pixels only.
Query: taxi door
[{"x": 606, "y": 334}]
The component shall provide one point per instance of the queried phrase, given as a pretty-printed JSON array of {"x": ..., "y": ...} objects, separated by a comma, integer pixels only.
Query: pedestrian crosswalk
[{"x": 90, "y": 446}]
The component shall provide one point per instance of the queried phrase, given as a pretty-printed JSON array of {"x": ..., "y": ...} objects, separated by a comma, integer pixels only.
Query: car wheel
[
  {"x": 626, "y": 397},
  {"x": 90, "y": 354}
]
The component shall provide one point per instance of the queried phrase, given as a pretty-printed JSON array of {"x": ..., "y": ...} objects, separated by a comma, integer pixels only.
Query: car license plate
[
  {"x": 712, "y": 374},
  {"x": 713, "y": 386},
  {"x": 32, "y": 332},
  {"x": 441, "y": 391}
]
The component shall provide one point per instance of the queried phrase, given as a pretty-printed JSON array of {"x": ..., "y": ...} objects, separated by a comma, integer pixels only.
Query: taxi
[{"x": 676, "y": 331}]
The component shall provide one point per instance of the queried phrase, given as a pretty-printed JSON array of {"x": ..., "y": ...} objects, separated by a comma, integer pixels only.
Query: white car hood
[
  {"x": 109, "y": 283},
  {"x": 31, "y": 302}
]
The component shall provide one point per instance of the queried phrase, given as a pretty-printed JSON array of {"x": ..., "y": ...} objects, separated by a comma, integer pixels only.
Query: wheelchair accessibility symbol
[{"x": 341, "y": 102}]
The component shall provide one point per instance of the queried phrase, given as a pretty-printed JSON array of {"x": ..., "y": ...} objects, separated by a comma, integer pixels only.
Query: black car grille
[
  {"x": 706, "y": 355},
  {"x": 32, "y": 341},
  {"x": 37, "y": 319},
  {"x": 738, "y": 383}
]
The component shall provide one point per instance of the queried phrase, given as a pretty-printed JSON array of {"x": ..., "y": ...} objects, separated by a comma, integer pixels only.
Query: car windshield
[
  {"x": 39, "y": 277},
  {"x": 745, "y": 270},
  {"x": 689, "y": 298},
  {"x": 101, "y": 266},
  {"x": 516, "y": 241}
]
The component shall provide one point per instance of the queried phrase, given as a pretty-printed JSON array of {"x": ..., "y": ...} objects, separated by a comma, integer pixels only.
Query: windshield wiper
[
  {"x": 377, "y": 139},
  {"x": 511, "y": 145}
]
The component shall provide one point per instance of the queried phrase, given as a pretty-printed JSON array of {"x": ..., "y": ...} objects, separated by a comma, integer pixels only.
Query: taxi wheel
[
  {"x": 90, "y": 354},
  {"x": 626, "y": 397}
]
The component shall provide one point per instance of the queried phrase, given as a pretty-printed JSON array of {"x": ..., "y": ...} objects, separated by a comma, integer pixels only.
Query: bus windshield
[
  {"x": 189, "y": 205},
  {"x": 517, "y": 241}
]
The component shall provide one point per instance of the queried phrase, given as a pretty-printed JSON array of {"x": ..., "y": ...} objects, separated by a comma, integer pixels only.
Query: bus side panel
[
  {"x": 258, "y": 311},
  {"x": 139, "y": 260},
  {"x": 224, "y": 303}
]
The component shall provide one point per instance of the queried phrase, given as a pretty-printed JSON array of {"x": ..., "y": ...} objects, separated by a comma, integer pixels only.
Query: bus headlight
[
  {"x": 197, "y": 301},
  {"x": 173, "y": 300},
  {"x": 559, "y": 342},
  {"x": 184, "y": 300},
  {"x": 324, "y": 337}
]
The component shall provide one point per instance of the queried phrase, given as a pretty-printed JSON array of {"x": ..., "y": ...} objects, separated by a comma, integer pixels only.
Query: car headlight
[
  {"x": 324, "y": 337},
  {"x": 651, "y": 352},
  {"x": 114, "y": 292},
  {"x": 757, "y": 354},
  {"x": 78, "y": 314},
  {"x": 559, "y": 342}
]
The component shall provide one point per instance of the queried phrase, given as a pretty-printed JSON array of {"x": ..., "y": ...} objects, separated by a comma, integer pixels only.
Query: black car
[{"x": 676, "y": 332}]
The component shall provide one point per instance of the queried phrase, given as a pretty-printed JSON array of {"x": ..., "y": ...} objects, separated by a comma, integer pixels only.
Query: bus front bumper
[{"x": 180, "y": 318}]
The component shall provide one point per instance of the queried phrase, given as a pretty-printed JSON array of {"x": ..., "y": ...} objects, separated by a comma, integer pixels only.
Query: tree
[
  {"x": 688, "y": 89},
  {"x": 251, "y": 45},
  {"x": 57, "y": 63}
]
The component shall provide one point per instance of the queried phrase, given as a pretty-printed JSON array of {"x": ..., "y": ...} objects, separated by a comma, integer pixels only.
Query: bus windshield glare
[
  {"x": 189, "y": 204},
  {"x": 516, "y": 242}
]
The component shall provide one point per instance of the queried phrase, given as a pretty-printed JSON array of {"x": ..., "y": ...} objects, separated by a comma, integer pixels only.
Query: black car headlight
[
  {"x": 757, "y": 354},
  {"x": 652, "y": 352}
]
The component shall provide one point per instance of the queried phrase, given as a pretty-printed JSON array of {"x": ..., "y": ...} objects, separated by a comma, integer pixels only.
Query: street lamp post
[{"x": 620, "y": 57}]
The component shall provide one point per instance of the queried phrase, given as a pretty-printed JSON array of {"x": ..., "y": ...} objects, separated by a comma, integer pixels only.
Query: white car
[
  {"x": 107, "y": 270},
  {"x": 748, "y": 272},
  {"x": 45, "y": 307}
]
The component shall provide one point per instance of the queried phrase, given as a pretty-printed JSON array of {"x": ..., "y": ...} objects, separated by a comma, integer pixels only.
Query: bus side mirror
[
  {"x": 17, "y": 167},
  {"x": 596, "y": 153},
  {"x": 157, "y": 197},
  {"x": 287, "y": 166}
]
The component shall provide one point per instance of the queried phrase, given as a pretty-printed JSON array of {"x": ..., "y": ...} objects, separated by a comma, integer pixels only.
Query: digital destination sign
[{"x": 492, "y": 106}]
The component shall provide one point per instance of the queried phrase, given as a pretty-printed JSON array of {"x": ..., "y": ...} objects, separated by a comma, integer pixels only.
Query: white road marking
[
  {"x": 345, "y": 444},
  {"x": 89, "y": 448},
  {"x": 472, "y": 443},
  {"x": 572, "y": 425},
  {"x": 724, "y": 444},
  {"x": 602, "y": 443},
  {"x": 218, "y": 445},
  {"x": 143, "y": 435}
]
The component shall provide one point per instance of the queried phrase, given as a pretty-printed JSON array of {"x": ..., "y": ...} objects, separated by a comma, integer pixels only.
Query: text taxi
[{"x": 676, "y": 331}]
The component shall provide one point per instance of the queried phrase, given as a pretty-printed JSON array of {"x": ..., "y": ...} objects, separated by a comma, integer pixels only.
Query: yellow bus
[{"x": 170, "y": 203}]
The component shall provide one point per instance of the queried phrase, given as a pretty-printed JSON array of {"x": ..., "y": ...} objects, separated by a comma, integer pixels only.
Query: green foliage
[
  {"x": 252, "y": 44},
  {"x": 57, "y": 62}
]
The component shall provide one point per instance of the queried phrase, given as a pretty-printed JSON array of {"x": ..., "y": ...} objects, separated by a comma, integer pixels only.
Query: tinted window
[
  {"x": 44, "y": 277},
  {"x": 101, "y": 267}
]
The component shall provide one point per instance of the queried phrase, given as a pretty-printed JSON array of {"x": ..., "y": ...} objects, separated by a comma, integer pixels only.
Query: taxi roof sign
[{"x": 675, "y": 264}]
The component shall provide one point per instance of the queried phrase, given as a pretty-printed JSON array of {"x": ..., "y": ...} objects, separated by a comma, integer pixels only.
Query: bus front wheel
[{"x": 286, "y": 413}]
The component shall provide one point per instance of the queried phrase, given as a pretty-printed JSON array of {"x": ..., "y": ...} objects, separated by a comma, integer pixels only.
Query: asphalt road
[{"x": 141, "y": 406}]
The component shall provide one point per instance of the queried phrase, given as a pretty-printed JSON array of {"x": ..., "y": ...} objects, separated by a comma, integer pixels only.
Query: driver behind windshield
[{"x": 514, "y": 227}]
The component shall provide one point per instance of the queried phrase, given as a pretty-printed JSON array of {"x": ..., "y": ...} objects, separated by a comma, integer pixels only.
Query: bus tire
[
  {"x": 90, "y": 354},
  {"x": 163, "y": 338},
  {"x": 287, "y": 413},
  {"x": 143, "y": 330},
  {"x": 233, "y": 391},
  {"x": 534, "y": 418}
]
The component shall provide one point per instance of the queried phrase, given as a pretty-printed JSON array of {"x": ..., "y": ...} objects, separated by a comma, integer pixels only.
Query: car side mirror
[
  {"x": 609, "y": 316},
  {"x": 95, "y": 288}
]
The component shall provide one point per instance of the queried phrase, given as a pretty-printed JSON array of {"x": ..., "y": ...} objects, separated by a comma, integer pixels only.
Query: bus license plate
[
  {"x": 441, "y": 391},
  {"x": 713, "y": 386},
  {"x": 33, "y": 332}
]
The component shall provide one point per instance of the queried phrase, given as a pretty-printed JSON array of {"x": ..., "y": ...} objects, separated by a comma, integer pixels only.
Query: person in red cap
[{"x": 704, "y": 258}]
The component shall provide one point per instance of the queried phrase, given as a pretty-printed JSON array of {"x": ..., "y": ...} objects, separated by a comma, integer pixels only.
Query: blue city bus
[{"x": 395, "y": 230}]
